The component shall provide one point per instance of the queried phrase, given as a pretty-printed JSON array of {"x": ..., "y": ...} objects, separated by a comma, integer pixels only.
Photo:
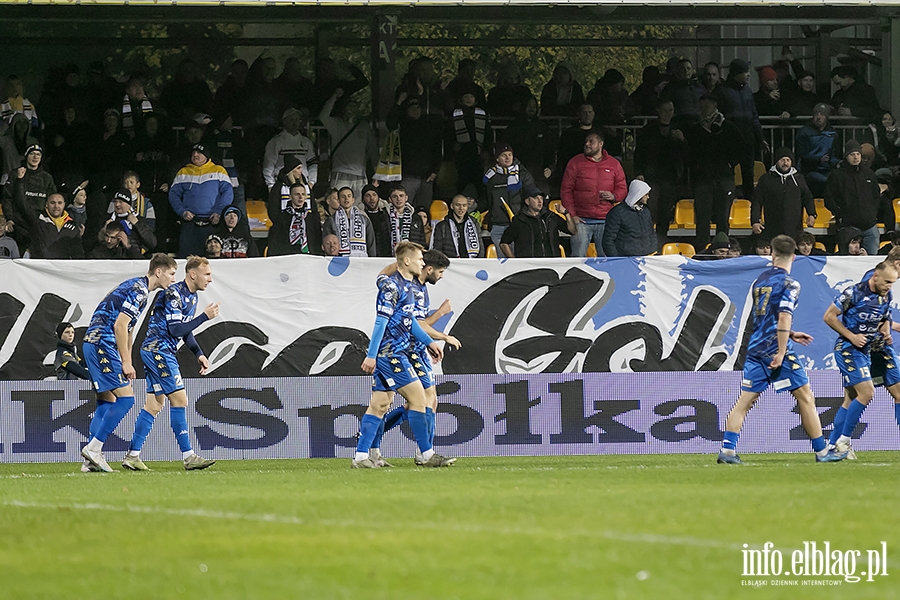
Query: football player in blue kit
[
  {"x": 861, "y": 316},
  {"x": 770, "y": 355},
  {"x": 436, "y": 263},
  {"x": 172, "y": 319},
  {"x": 107, "y": 353},
  {"x": 388, "y": 359}
]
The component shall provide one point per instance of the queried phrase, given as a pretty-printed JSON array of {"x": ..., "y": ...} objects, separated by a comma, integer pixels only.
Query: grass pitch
[{"x": 638, "y": 526}]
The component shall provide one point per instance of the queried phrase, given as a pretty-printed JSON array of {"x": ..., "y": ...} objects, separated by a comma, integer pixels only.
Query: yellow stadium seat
[
  {"x": 759, "y": 169},
  {"x": 491, "y": 251},
  {"x": 684, "y": 214},
  {"x": 439, "y": 210},
  {"x": 740, "y": 214},
  {"x": 823, "y": 215},
  {"x": 562, "y": 251},
  {"x": 682, "y": 248},
  {"x": 897, "y": 210},
  {"x": 884, "y": 243},
  {"x": 256, "y": 209},
  {"x": 557, "y": 207},
  {"x": 591, "y": 251},
  {"x": 820, "y": 246}
]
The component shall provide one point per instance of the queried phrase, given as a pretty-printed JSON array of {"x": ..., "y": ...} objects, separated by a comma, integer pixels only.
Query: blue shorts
[
  {"x": 393, "y": 373},
  {"x": 885, "y": 370},
  {"x": 791, "y": 375},
  {"x": 421, "y": 362},
  {"x": 855, "y": 365},
  {"x": 162, "y": 372},
  {"x": 105, "y": 366}
]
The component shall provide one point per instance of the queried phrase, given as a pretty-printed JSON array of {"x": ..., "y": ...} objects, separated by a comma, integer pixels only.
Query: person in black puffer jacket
[
  {"x": 783, "y": 194},
  {"x": 853, "y": 196}
]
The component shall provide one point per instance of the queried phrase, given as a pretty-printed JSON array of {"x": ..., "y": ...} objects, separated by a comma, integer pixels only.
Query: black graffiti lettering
[
  {"x": 517, "y": 414},
  {"x": 10, "y": 309},
  {"x": 40, "y": 425},
  {"x": 575, "y": 422},
  {"x": 248, "y": 359},
  {"x": 298, "y": 358},
  {"x": 322, "y": 439},
  {"x": 827, "y": 419},
  {"x": 696, "y": 332},
  {"x": 705, "y": 419},
  {"x": 38, "y": 338},
  {"x": 483, "y": 320},
  {"x": 469, "y": 424},
  {"x": 209, "y": 405}
]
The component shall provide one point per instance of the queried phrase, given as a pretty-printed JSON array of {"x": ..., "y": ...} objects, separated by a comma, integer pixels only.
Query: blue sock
[
  {"x": 97, "y": 419},
  {"x": 368, "y": 429},
  {"x": 819, "y": 444},
  {"x": 178, "y": 419},
  {"x": 142, "y": 428},
  {"x": 897, "y": 413},
  {"x": 853, "y": 415},
  {"x": 395, "y": 417},
  {"x": 839, "y": 419},
  {"x": 114, "y": 415},
  {"x": 731, "y": 439},
  {"x": 429, "y": 416},
  {"x": 376, "y": 442},
  {"x": 419, "y": 425}
]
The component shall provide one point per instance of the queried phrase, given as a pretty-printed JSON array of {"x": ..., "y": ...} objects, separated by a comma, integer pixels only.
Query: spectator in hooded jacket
[
  {"x": 68, "y": 364},
  {"x": 199, "y": 194},
  {"x": 234, "y": 231},
  {"x": 290, "y": 141},
  {"x": 138, "y": 229},
  {"x": 37, "y": 184},
  {"x": 783, "y": 194},
  {"x": 53, "y": 233},
  {"x": 458, "y": 235},
  {"x": 280, "y": 192},
  {"x": 592, "y": 183},
  {"x": 534, "y": 232},
  {"x": 562, "y": 95},
  {"x": 629, "y": 226},
  {"x": 503, "y": 187},
  {"x": 735, "y": 101},
  {"x": 818, "y": 149},
  {"x": 853, "y": 196}
]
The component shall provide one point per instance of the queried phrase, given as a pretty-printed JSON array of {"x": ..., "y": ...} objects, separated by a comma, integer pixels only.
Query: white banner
[{"x": 312, "y": 316}]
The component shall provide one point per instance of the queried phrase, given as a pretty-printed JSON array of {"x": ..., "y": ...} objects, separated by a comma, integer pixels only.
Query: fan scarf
[
  {"x": 400, "y": 224},
  {"x": 513, "y": 184},
  {"x": 462, "y": 132},
  {"x": 470, "y": 236},
  {"x": 297, "y": 231},
  {"x": 351, "y": 231},
  {"x": 128, "y": 118}
]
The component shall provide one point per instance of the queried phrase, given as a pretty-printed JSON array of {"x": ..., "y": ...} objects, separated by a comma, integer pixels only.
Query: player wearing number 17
[{"x": 770, "y": 355}]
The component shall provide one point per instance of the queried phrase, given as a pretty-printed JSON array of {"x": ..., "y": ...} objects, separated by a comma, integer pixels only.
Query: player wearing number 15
[
  {"x": 770, "y": 355},
  {"x": 861, "y": 316}
]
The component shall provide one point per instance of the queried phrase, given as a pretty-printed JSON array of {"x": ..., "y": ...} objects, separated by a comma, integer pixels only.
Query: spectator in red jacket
[{"x": 592, "y": 183}]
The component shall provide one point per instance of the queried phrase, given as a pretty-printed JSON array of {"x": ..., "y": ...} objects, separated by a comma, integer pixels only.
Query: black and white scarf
[
  {"x": 469, "y": 236},
  {"x": 297, "y": 230},
  {"x": 351, "y": 232},
  {"x": 511, "y": 173},
  {"x": 400, "y": 224},
  {"x": 128, "y": 118},
  {"x": 462, "y": 132}
]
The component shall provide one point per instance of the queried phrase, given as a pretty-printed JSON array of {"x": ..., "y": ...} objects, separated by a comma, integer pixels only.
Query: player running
[
  {"x": 172, "y": 319},
  {"x": 861, "y": 316},
  {"x": 388, "y": 359},
  {"x": 436, "y": 263},
  {"x": 107, "y": 352},
  {"x": 770, "y": 355}
]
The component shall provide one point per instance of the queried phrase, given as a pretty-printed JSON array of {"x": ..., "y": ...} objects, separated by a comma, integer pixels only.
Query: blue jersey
[
  {"x": 176, "y": 305},
  {"x": 774, "y": 292},
  {"x": 420, "y": 311},
  {"x": 862, "y": 311},
  {"x": 128, "y": 298},
  {"x": 396, "y": 303}
]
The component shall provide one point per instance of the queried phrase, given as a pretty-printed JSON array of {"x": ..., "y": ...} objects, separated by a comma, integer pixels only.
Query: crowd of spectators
[{"x": 96, "y": 170}]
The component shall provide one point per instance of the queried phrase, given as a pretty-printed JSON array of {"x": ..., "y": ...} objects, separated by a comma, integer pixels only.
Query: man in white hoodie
[
  {"x": 629, "y": 225},
  {"x": 782, "y": 194},
  {"x": 290, "y": 140}
]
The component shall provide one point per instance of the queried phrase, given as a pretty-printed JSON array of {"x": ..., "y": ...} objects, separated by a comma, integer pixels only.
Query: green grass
[{"x": 656, "y": 527}]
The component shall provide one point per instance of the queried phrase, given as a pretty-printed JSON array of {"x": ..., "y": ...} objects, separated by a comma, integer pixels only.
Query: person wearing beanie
[
  {"x": 629, "y": 225},
  {"x": 234, "y": 231},
  {"x": 853, "y": 196},
  {"x": 467, "y": 135},
  {"x": 769, "y": 100},
  {"x": 534, "y": 232},
  {"x": 719, "y": 248},
  {"x": 51, "y": 234},
  {"x": 200, "y": 192},
  {"x": 291, "y": 172},
  {"x": 465, "y": 80},
  {"x": 138, "y": 230},
  {"x": 782, "y": 194},
  {"x": 68, "y": 364},
  {"x": 684, "y": 91},
  {"x": 376, "y": 210},
  {"x": 503, "y": 185},
  {"x": 736, "y": 102},
  {"x": 290, "y": 141},
  {"x": 36, "y": 185},
  {"x": 562, "y": 95}
]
